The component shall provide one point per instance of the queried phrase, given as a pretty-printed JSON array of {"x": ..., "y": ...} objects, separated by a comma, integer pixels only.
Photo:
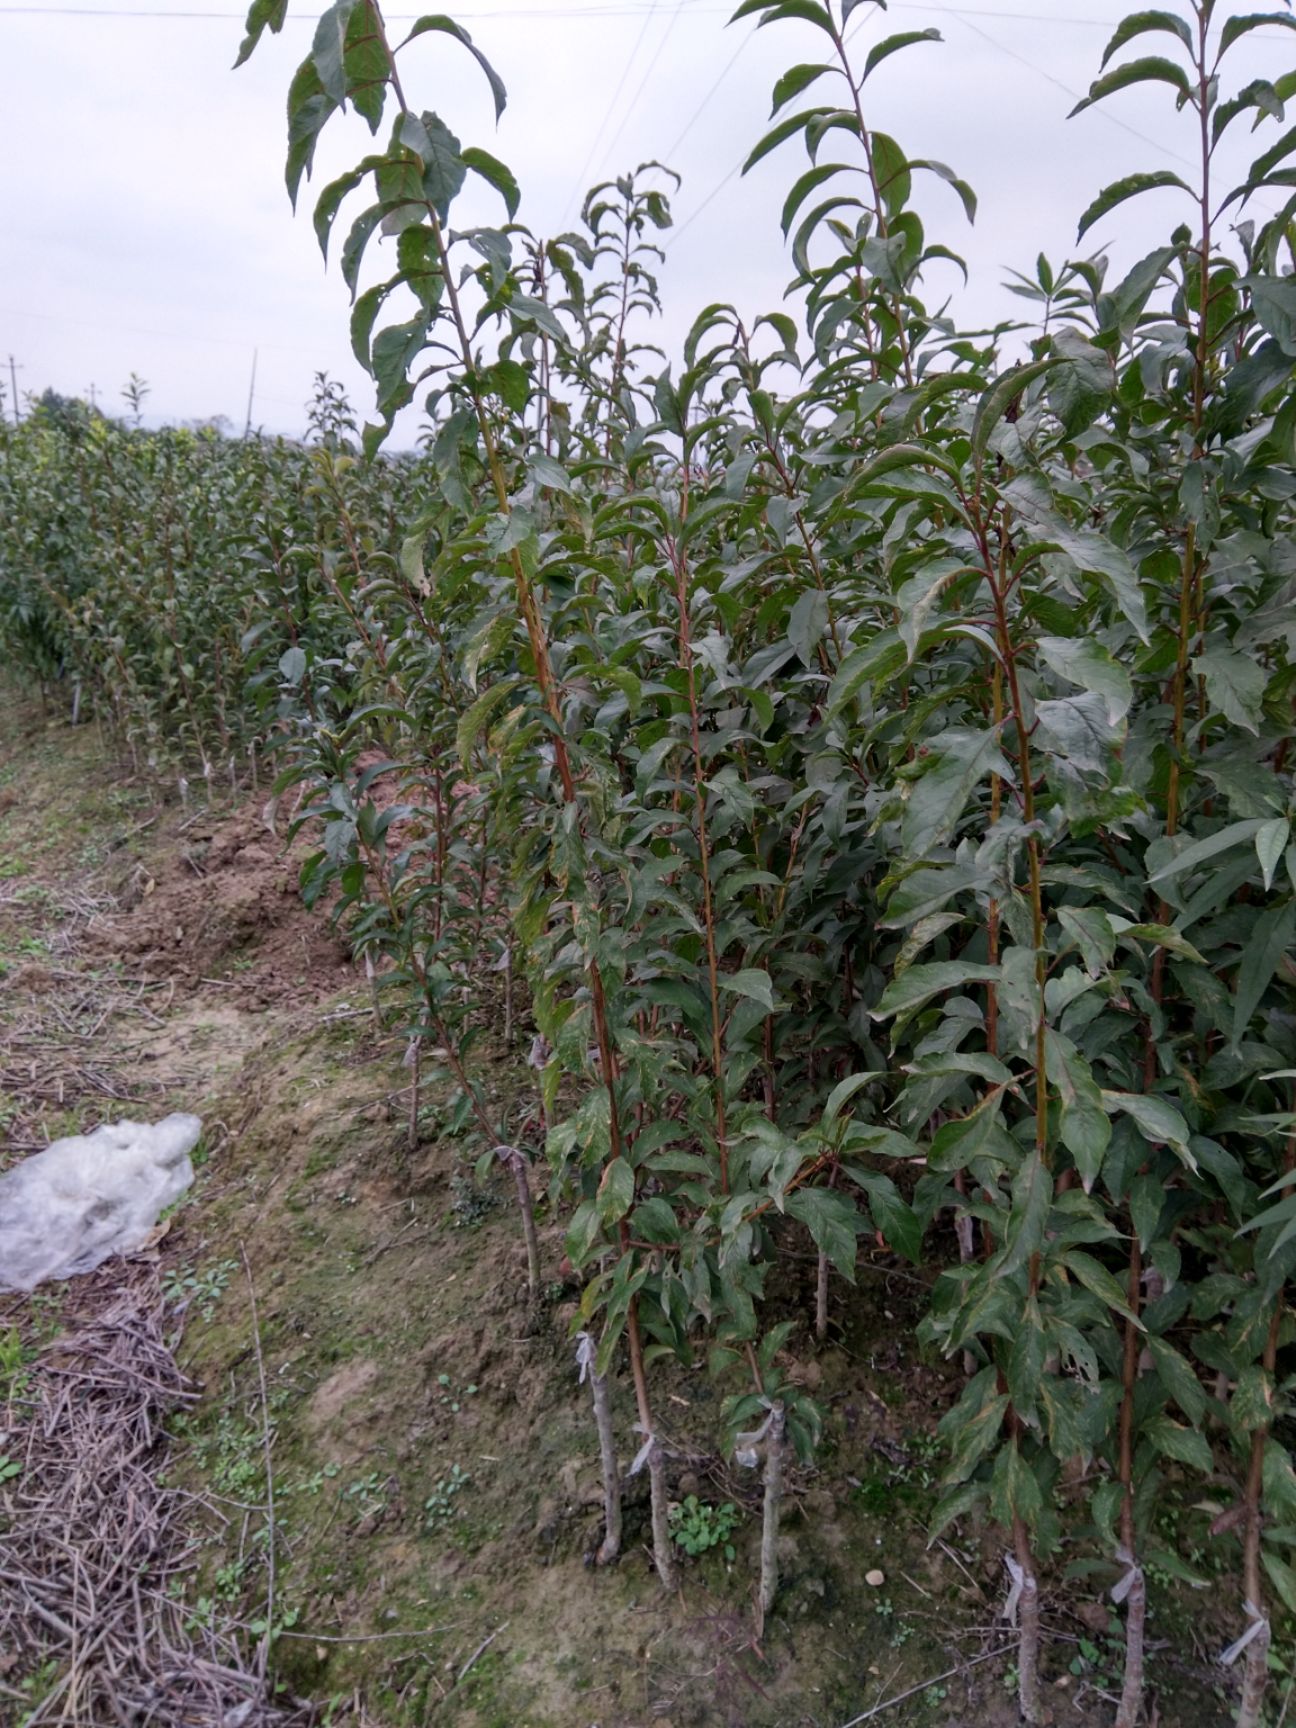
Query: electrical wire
[
  {"x": 582, "y": 179},
  {"x": 633, "y": 103}
]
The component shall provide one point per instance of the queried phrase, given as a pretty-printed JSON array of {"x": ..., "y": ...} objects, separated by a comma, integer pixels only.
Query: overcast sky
[{"x": 146, "y": 227}]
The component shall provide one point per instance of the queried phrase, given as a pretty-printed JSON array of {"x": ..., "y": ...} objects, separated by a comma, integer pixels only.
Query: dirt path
[{"x": 434, "y": 1470}]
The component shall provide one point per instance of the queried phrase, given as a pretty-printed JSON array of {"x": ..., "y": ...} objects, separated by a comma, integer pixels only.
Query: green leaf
[
  {"x": 1156, "y": 1119},
  {"x": 794, "y": 81},
  {"x": 1093, "y": 554},
  {"x": 496, "y": 174},
  {"x": 1141, "y": 24},
  {"x": 1093, "y": 933},
  {"x": 997, "y": 400},
  {"x": 1083, "y": 1125},
  {"x": 786, "y": 128},
  {"x": 448, "y": 27},
  {"x": 262, "y": 15},
  {"x": 808, "y": 625},
  {"x": 1201, "y": 851},
  {"x": 1179, "y": 1380},
  {"x": 953, "y": 1505},
  {"x": 832, "y": 1221},
  {"x": 437, "y": 149},
  {"x": 936, "y": 801},
  {"x": 654, "y": 1221},
  {"x": 616, "y": 1191},
  {"x": 1079, "y": 729},
  {"x": 475, "y": 718},
  {"x": 1081, "y": 660},
  {"x": 1270, "y": 844},
  {"x": 1281, "y": 1575},
  {"x": 1096, "y": 1278},
  {"x": 1274, "y": 304},
  {"x": 920, "y": 983},
  {"x": 1183, "y": 1445},
  {"x": 893, "y": 44},
  {"x": 1270, "y": 939},
  {"x": 843, "y": 1092},
  {"x": 1245, "y": 22},
  {"x": 1032, "y": 1195},
  {"x": 1235, "y": 684},
  {"x": 1151, "y": 69},
  {"x": 751, "y": 982},
  {"x": 1132, "y": 186}
]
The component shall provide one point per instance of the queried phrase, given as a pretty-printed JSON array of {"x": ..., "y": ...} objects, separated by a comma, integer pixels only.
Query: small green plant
[
  {"x": 367, "y": 1494},
  {"x": 9, "y": 1468},
  {"x": 697, "y": 1527},
  {"x": 469, "y": 1204},
  {"x": 13, "y": 1361},
  {"x": 314, "y": 1483},
  {"x": 452, "y": 1399},
  {"x": 199, "y": 1290},
  {"x": 441, "y": 1504}
]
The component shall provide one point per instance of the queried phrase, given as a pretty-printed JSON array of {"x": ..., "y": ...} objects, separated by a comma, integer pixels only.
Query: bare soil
[{"x": 435, "y": 1468}]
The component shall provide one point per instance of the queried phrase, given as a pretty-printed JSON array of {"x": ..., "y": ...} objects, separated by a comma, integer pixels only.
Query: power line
[
  {"x": 737, "y": 168},
  {"x": 624, "y": 9},
  {"x": 634, "y": 100},
  {"x": 697, "y": 113},
  {"x": 582, "y": 177}
]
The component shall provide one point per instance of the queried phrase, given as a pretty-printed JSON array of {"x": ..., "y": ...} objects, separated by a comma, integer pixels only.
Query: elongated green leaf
[
  {"x": 1235, "y": 684},
  {"x": 1270, "y": 844},
  {"x": 1083, "y": 1125},
  {"x": 893, "y": 44},
  {"x": 1142, "y": 24},
  {"x": 794, "y": 81},
  {"x": 1082, "y": 661},
  {"x": 1245, "y": 22},
  {"x": 832, "y": 1221},
  {"x": 1132, "y": 186},
  {"x": 1156, "y": 1119},
  {"x": 1152, "y": 69},
  {"x": 920, "y": 983},
  {"x": 1269, "y": 941},
  {"x": 1202, "y": 851},
  {"x": 1096, "y": 1278},
  {"x": 616, "y": 1191},
  {"x": 752, "y": 983},
  {"x": 997, "y": 400},
  {"x": 447, "y": 27},
  {"x": 937, "y": 800}
]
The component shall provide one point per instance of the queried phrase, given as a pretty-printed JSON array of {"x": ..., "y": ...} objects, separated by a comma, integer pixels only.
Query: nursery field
[
  {"x": 435, "y": 1468},
  {"x": 730, "y": 919}
]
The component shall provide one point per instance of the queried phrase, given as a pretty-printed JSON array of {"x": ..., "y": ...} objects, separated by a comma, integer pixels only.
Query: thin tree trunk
[
  {"x": 821, "y": 1299},
  {"x": 660, "y": 1516},
  {"x": 1028, "y": 1623},
  {"x": 773, "y": 1505},
  {"x": 610, "y": 1547},
  {"x": 662, "y": 1556},
  {"x": 416, "y": 1068},
  {"x": 527, "y": 1209},
  {"x": 1255, "y": 1676},
  {"x": 1131, "y": 1701}
]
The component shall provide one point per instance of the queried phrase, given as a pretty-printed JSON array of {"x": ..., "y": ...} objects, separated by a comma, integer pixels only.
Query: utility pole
[
  {"x": 93, "y": 400},
  {"x": 247, "y": 430},
  {"x": 13, "y": 379}
]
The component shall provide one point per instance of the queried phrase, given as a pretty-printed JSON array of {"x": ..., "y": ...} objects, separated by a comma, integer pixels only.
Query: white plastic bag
[{"x": 67, "y": 1209}]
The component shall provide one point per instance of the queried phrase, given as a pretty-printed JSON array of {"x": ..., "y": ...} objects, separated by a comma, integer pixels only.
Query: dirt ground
[{"x": 435, "y": 1473}]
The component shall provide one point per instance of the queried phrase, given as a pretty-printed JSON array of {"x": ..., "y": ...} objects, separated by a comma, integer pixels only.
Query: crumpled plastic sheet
[{"x": 67, "y": 1209}]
